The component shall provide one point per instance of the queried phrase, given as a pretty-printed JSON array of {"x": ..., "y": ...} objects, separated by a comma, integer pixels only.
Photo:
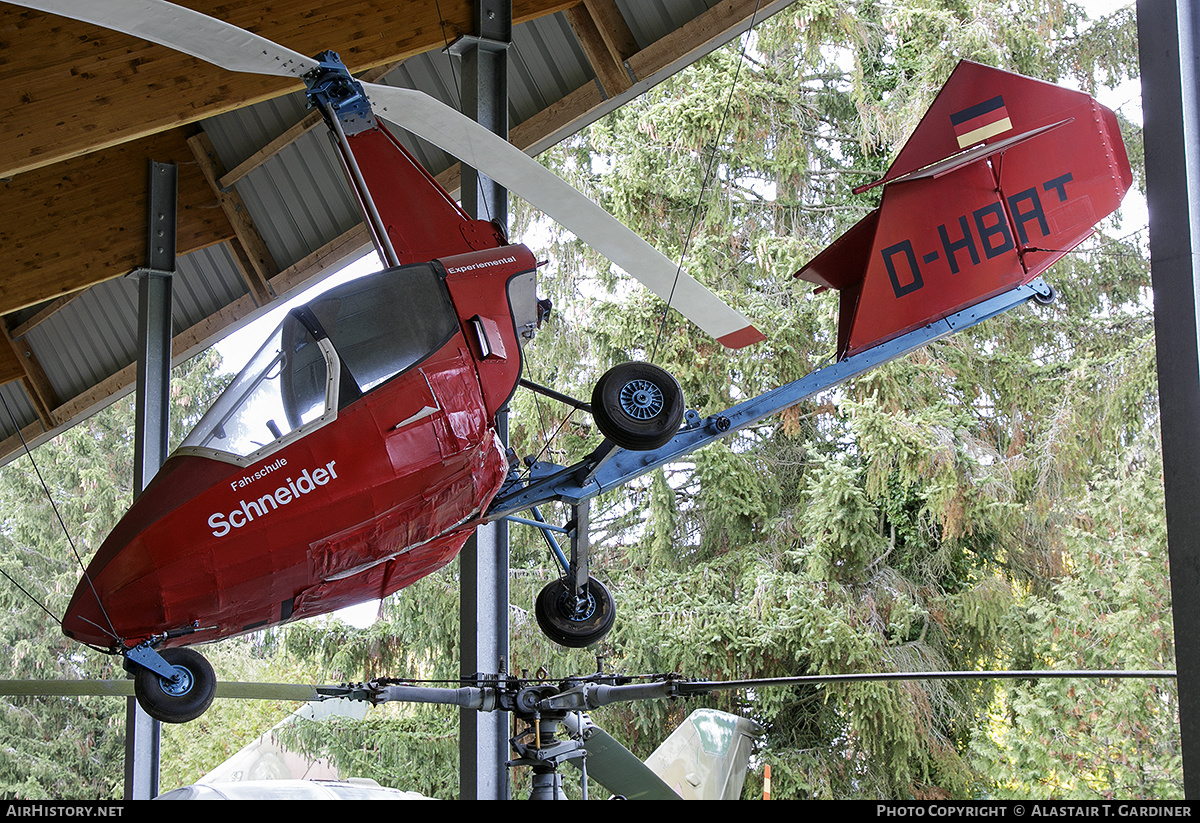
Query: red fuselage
[{"x": 379, "y": 491}]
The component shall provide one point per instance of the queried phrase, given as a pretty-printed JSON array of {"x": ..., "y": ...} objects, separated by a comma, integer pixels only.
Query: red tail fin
[{"x": 1003, "y": 176}]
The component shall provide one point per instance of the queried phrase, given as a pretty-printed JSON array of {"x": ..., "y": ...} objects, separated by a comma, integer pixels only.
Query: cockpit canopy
[{"x": 327, "y": 354}]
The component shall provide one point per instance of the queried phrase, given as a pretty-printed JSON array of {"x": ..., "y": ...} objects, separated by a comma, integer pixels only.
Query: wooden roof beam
[
  {"x": 32, "y": 378},
  {"x": 69, "y": 226},
  {"x": 254, "y": 258},
  {"x": 45, "y": 313},
  {"x": 606, "y": 41},
  {"x": 76, "y": 88}
]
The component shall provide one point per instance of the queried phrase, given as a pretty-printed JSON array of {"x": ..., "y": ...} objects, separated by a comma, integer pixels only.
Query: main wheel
[
  {"x": 572, "y": 625},
  {"x": 638, "y": 406},
  {"x": 186, "y": 697}
]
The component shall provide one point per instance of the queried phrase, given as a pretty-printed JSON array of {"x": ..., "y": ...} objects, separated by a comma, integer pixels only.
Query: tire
[
  {"x": 638, "y": 406},
  {"x": 184, "y": 700},
  {"x": 1046, "y": 299},
  {"x": 555, "y": 612}
]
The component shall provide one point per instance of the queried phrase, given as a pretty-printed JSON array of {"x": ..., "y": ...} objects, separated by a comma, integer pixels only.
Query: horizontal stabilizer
[{"x": 844, "y": 261}]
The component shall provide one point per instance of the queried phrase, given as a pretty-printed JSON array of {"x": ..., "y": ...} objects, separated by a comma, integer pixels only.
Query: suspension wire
[
  {"x": 46, "y": 488},
  {"x": 25, "y": 592},
  {"x": 449, "y": 61},
  {"x": 548, "y": 441},
  {"x": 708, "y": 173}
]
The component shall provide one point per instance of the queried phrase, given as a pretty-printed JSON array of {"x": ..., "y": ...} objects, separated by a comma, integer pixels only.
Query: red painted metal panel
[
  {"x": 422, "y": 220},
  {"x": 366, "y": 504},
  {"x": 955, "y": 227}
]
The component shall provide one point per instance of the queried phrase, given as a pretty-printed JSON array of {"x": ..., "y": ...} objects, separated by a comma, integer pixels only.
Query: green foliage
[
  {"x": 395, "y": 746},
  {"x": 911, "y": 520},
  {"x": 66, "y": 747},
  {"x": 1101, "y": 739}
]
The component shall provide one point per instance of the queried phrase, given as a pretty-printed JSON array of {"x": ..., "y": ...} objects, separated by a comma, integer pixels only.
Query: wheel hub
[
  {"x": 575, "y": 609},
  {"x": 180, "y": 685},
  {"x": 641, "y": 399}
]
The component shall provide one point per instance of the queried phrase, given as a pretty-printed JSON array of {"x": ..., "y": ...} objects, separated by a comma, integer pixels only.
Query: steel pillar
[
  {"x": 151, "y": 428},
  {"x": 484, "y": 60},
  {"x": 1168, "y": 39},
  {"x": 483, "y": 739}
]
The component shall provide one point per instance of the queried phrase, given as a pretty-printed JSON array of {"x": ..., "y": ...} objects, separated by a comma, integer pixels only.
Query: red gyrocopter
[{"x": 357, "y": 450}]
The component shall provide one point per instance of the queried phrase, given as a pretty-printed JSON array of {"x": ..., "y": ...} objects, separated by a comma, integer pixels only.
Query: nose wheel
[
  {"x": 184, "y": 695},
  {"x": 572, "y": 620}
]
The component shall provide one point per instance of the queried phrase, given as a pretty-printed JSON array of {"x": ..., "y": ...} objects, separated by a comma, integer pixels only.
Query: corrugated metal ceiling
[{"x": 300, "y": 202}]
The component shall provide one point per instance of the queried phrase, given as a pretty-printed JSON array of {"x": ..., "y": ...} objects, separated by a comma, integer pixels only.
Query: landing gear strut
[
  {"x": 576, "y": 610},
  {"x": 637, "y": 407}
]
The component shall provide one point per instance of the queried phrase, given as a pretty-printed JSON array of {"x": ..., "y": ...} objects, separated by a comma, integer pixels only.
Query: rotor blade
[
  {"x": 694, "y": 687},
  {"x": 236, "y": 49},
  {"x": 68, "y": 688},
  {"x": 614, "y": 766},
  {"x": 182, "y": 29},
  {"x": 124, "y": 688},
  {"x": 503, "y": 162}
]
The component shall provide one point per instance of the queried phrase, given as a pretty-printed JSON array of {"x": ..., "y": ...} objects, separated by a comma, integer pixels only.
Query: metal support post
[
  {"x": 483, "y": 739},
  {"x": 580, "y": 545},
  {"x": 484, "y": 59},
  {"x": 1169, "y": 49},
  {"x": 151, "y": 427}
]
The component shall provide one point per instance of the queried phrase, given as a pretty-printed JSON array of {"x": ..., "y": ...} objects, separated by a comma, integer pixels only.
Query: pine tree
[
  {"x": 69, "y": 747},
  {"x": 925, "y": 516},
  {"x": 991, "y": 501}
]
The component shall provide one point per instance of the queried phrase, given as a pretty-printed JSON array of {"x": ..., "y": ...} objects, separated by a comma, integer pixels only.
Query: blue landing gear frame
[{"x": 610, "y": 466}]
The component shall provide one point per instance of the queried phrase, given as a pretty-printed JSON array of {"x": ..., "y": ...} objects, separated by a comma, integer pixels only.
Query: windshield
[
  {"x": 385, "y": 323},
  {"x": 282, "y": 388},
  {"x": 363, "y": 333}
]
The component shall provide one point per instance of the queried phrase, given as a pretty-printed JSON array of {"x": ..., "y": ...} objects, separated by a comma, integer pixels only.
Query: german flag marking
[{"x": 977, "y": 123}]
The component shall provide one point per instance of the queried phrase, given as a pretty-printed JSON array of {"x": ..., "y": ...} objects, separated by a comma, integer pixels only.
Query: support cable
[
  {"x": 708, "y": 173},
  {"x": 46, "y": 488}
]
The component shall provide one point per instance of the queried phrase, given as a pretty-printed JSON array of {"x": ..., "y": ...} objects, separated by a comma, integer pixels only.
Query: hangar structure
[
  {"x": 263, "y": 207},
  {"x": 263, "y": 210}
]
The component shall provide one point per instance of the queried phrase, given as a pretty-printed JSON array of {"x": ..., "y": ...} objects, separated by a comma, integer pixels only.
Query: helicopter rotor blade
[
  {"x": 67, "y": 688},
  {"x": 235, "y": 49},
  {"x": 615, "y": 767},
  {"x": 462, "y": 137},
  {"x": 184, "y": 30},
  {"x": 124, "y": 688}
]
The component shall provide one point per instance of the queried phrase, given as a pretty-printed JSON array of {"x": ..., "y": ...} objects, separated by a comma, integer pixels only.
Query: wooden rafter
[
  {"x": 32, "y": 378},
  {"x": 254, "y": 258},
  {"x": 68, "y": 226},
  {"x": 88, "y": 196},
  {"x": 76, "y": 88},
  {"x": 607, "y": 42}
]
